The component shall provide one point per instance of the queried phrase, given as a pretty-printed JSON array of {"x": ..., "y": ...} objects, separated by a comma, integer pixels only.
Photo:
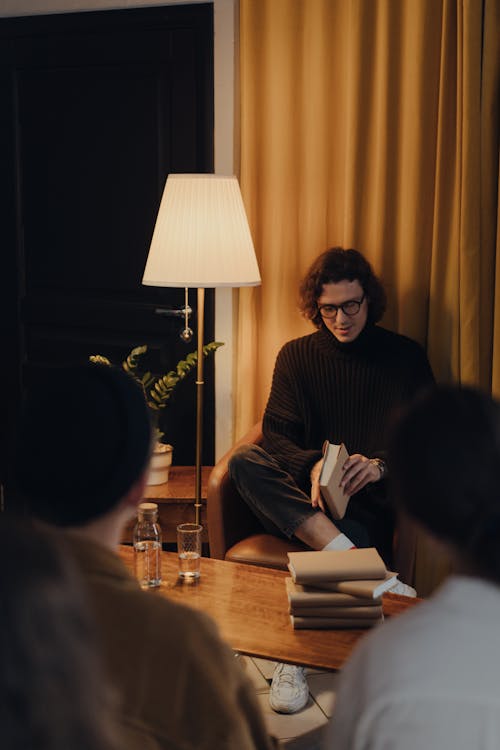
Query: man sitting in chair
[{"x": 340, "y": 383}]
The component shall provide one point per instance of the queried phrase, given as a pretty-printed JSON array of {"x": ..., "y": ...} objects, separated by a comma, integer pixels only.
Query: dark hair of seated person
[
  {"x": 52, "y": 692},
  {"x": 96, "y": 443},
  {"x": 444, "y": 460}
]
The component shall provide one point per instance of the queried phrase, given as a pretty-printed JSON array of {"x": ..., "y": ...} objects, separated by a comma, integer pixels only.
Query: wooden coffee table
[{"x": 250, "y": 607}]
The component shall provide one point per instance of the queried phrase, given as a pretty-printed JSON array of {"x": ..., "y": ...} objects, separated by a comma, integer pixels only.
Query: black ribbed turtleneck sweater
[{"x": 323, "y": 389}]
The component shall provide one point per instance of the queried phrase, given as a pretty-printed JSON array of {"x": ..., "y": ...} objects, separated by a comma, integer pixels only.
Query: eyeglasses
[{"x": 351, "y": 307}]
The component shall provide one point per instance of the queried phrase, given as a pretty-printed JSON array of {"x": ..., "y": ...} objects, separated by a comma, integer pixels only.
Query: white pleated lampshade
[{"x": 201, "y": 237}]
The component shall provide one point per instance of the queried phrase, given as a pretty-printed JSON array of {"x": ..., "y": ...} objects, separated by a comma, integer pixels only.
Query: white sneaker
[
  {"x": 403, "y": 589},
  {"x": 289, "y": 690}
]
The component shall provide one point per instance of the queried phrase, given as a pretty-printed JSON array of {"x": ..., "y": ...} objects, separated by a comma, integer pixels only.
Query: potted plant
[{"x": 157, "y": 391}]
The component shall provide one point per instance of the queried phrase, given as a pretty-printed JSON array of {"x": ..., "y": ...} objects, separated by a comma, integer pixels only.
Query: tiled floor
[{"x": 303, "y": 730}]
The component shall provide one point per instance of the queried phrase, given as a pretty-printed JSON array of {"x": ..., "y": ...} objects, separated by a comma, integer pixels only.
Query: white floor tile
[
  {"x": 287, "y": 726},
  {"x": 265, "y": 666},
  {"x": 254, "y": 674},
  {"x": 322, "y": 687}
]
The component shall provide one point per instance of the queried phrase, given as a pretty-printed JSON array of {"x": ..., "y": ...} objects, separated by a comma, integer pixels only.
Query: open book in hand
[{"x": 330, "y": 477}]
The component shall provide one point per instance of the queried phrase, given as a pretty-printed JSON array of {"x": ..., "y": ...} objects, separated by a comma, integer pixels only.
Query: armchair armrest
[{"x": 229, "y": 519}]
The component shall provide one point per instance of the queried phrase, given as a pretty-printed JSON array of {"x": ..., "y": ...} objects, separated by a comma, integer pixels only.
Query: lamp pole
[{"x": 199, "y": 403}]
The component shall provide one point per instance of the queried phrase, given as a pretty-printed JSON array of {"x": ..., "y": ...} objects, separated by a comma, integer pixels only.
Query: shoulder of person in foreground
[
  {"x": 404, "y": 684},
  {"x": 362, "y": 691},
  {"x": 211, "y": 697}
]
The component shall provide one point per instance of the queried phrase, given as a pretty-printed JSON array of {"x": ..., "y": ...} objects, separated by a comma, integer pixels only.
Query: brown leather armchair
[
  {"x": 233, "y": 531},
  {"x": 235, "y": 534}
]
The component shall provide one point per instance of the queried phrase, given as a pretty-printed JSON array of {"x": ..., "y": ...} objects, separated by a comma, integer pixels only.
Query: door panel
[{"x": 100, "y": 107}]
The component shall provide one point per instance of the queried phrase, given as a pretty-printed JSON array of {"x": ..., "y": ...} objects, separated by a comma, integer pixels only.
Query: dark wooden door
[{"x": 96, "y": 110}]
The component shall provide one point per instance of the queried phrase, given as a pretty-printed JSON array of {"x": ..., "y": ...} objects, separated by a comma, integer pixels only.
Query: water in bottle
[{"x": 147, "y": 546}]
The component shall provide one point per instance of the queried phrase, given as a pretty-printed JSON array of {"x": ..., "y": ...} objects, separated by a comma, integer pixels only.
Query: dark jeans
[{"x": 281, "y": 506}]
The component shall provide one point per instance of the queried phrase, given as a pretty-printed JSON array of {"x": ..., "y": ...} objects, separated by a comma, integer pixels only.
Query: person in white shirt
[{"x": 430, "y": 678}]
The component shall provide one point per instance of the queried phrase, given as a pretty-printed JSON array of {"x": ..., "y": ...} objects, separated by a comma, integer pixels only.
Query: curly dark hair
[{"x": 336, "y": 265}]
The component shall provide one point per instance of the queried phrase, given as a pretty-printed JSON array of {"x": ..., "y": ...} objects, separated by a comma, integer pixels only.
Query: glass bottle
[{"x": 147, "y": 546}]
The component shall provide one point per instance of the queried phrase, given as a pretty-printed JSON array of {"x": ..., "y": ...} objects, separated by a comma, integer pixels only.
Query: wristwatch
[{"x": 381, "y": 465}]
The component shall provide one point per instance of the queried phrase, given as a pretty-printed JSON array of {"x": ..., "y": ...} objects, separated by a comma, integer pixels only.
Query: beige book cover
[
  {"x": 336, "y": 565},
  {"x": 373, "y": 589},
  {"x": 334, "y": 457},
  {"x": 331, "y": 623},
  {"x": 310, "y": 596},
  {"x": 352, "y": 613}
]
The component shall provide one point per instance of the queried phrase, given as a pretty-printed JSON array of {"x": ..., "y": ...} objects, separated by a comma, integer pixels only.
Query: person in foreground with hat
[
  {"x": 430, "y": 678},
  {"x": 178, "y": 684}
]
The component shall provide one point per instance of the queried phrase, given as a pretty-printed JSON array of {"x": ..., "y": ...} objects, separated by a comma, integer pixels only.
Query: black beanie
[{"x": 84, "y": 439}]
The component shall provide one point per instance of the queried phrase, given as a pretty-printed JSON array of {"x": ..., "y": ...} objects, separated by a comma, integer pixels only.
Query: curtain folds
[{"x": 373, "y": 125}]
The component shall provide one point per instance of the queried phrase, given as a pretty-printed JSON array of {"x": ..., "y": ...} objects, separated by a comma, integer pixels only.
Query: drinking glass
[{"x": 189, "y": 549}]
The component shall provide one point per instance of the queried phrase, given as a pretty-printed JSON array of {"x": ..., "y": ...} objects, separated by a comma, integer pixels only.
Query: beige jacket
[{"x": 180, "y": 686}]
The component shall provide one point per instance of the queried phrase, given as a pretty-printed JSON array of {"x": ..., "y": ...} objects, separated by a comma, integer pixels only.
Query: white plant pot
[{"x": 161, "y": 460}]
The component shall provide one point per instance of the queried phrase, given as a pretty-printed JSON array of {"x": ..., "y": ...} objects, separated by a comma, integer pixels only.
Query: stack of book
[{"x": 337, "y": 589}]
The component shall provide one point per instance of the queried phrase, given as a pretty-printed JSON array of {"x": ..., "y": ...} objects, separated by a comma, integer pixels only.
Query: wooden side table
[{"x": 175, "y": 500}]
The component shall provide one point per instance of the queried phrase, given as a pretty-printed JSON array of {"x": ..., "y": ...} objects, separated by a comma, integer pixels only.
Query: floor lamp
[{"x": 201, "y": 239}]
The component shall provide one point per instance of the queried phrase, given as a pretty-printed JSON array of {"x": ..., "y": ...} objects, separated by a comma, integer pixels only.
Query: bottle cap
[{"x": 148, "y": 509}]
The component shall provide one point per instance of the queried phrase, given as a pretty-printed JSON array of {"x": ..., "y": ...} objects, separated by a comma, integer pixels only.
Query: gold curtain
[{"x": 373, "y": 124}]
